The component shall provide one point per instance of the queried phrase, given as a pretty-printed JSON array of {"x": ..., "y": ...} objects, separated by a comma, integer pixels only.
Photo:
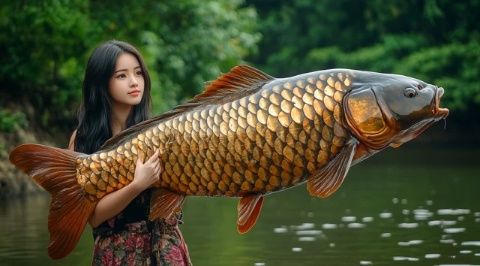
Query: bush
[{"x": 11, "y": 121}]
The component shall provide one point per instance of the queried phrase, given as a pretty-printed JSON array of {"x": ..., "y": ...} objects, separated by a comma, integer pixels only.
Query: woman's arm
[{"x": 112, "y": 204}]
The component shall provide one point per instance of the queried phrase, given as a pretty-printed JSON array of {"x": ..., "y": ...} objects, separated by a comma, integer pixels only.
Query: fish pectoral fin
[
  {"x": 164, "y": 203},
  {"x": 328, "y": 179},
  {"x": 248, "y": 208},
  {"x": 395, "y": 144}
]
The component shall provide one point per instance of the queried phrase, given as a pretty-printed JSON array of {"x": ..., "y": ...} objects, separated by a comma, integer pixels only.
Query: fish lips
[{"x": 439, "y": 112}]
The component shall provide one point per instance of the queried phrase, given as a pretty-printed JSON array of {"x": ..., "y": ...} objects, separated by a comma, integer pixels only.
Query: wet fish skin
[{"x": 260, "y": 143}]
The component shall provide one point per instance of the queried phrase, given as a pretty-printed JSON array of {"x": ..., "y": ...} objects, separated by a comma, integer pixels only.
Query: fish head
[{"x": 388, "y": 110}]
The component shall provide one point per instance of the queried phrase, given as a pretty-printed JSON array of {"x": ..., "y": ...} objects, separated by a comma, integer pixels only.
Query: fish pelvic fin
[
  {"x": 54, "y": 170},
  {"x": 328, "y": 179},
  {"x": 164, "y": 203},
  {"x": 248, "y": 209},
  {"x": 240, "y": 81}
]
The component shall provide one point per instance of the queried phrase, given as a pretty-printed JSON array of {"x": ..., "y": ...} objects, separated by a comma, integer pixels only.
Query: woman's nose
[{"x": 133, "y": 81}]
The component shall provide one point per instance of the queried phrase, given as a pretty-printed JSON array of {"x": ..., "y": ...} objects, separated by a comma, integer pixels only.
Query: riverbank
[{"x": 14, "y": 183}]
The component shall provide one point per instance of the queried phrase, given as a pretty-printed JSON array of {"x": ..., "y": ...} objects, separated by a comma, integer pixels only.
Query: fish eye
[{"x": 410, "y": 92}]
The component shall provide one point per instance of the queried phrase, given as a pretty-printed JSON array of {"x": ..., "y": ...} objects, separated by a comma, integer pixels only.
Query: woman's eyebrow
[{"x": 124, "y": 69}]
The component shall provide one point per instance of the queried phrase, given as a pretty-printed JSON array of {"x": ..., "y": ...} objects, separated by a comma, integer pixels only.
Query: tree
[
  {"x": 435, "y": 40},
  {"x": 185, "y": 43}
]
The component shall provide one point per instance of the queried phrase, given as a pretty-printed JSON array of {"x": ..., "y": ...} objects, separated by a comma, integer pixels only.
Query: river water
[{"x": 406, "y": 206}]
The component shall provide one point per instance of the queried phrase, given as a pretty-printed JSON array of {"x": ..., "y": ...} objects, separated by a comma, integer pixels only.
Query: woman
[{"x": 116, "y": 95}]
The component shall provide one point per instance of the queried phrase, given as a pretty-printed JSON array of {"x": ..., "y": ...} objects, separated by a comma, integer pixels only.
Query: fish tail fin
[{"x": 54, "y": 170}]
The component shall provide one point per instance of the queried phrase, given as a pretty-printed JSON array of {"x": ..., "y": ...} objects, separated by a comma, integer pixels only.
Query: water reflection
[
  {"x": 384, "y": 214},
  {"x": 24, "y": 238}
]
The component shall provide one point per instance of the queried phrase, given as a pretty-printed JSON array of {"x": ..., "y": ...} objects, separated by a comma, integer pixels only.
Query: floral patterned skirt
[{"x": 142, "y": 243}]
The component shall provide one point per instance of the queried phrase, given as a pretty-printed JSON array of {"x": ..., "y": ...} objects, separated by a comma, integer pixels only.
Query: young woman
[{"x": 116, "y": 95}]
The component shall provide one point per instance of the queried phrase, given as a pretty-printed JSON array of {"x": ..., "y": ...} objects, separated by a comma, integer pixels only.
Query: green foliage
[
  {"x": 11, "y": 121},
  {"x": 434, "y": 40},
  {"x": 44, "y": 42},
  {"x": 184, "y": 43},
  {"x": 454, "y": 66},
  {"x": 382, "y": 57}
]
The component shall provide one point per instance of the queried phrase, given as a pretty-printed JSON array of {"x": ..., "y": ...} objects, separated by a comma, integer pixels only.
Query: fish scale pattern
[{"x": 263, "y": 142}]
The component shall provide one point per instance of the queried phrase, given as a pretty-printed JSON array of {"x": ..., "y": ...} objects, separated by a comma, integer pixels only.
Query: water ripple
[
  {"x": 329, "y": 226},
  {"x": 410, "y": 243},
  {"x": 280, "y": 230},
  {"x": 385, "y": 215},
  {"x": 441, "y": 223},
  {"x": 408, "y": 225},
  {"x": 402, "y": 258},
  {"x": 356, "y": 225},
  {"x": 296, "y": 249},
  {"x": 471, "y": 243},
  {"x": 385, "y": 235},
  {"x": 453, "y": 211},
  {"x": 348, "y": 219},
  {"x": 454, "y": 230},
  {"x": 432, "y": 256},
  {"x": 367, "y": 219},
  {"x": 309, "y": 232}
]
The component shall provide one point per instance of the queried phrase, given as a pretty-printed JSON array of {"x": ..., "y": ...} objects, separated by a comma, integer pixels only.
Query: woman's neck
[{"x": 118, "y": 121}]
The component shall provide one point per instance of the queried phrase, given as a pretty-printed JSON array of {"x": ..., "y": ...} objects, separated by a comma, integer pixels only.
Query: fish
[{"x": 246, "y": 136}]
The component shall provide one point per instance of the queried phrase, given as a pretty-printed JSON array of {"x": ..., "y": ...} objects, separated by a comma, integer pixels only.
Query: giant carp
[{"x": 247, "y": 135}]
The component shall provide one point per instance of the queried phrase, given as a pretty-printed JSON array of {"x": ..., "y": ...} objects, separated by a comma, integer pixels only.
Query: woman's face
[{"x": 127, "y": 84}]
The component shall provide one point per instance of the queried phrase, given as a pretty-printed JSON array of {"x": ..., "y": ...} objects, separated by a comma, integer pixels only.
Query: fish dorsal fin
[
  {"x": 248, "y": 209},
  {"x": 238, "y": 82},
  {"x": 241, "y": 80},
  {"x": 329, "y": 178}
]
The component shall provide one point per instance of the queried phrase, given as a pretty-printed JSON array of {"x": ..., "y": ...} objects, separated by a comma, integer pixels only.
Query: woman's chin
[{"x": 134, "y": 101}]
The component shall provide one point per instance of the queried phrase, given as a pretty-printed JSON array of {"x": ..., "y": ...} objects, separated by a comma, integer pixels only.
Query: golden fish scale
[{"x": 261, "y": 143}]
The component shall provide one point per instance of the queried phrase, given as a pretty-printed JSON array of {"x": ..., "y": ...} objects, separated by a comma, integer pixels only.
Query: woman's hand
[
  {"x": 112, "y": 204},
  {"x": 147, "y": 173}
]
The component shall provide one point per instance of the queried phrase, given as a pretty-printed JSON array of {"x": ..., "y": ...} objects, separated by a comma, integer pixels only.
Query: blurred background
[{"x": 45, "y": 46}]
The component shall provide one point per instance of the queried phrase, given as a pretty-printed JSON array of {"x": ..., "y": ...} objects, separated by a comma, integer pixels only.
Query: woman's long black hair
[{"x": 95, "y": 111}]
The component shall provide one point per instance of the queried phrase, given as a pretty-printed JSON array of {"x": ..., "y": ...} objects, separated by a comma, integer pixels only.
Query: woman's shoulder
[{"x": 71, "y": 142}]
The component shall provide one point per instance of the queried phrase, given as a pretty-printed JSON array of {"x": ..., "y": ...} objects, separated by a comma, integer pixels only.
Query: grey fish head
[{"x": 388, "y": 109}]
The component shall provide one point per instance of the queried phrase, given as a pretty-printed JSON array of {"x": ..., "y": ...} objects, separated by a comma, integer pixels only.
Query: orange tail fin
[{"x": 55, "y": 170}]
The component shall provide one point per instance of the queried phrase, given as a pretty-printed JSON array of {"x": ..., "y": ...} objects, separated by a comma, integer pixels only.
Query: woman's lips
[{"x": 134, "y": 93}]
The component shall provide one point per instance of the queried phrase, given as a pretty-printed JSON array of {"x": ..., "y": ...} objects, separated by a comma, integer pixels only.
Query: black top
[{"x": 137, "y": 210}]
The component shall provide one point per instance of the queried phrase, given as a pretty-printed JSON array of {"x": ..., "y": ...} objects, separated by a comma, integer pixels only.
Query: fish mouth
[{"x": 439, "y": 112}]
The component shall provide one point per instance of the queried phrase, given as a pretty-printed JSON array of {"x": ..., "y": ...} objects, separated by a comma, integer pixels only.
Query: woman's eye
[
  {"x": 121, "y": 76},
  {"x": 139, "y": 73},
  {"x": 410, "y": 92}
]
